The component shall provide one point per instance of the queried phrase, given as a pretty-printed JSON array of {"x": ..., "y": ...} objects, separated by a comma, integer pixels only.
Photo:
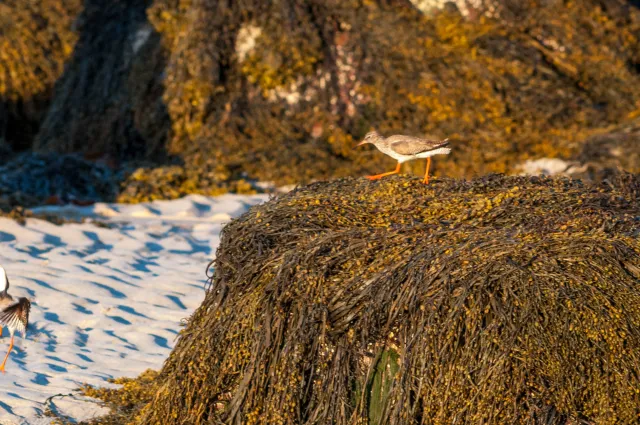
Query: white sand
[{"x": 106, "y": 302}]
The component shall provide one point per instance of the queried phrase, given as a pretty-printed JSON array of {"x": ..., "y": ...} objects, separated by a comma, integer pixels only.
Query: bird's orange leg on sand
[
  {"x": 379, "y": 176},
  {"x": 7, "y": 356},
  {"x": 426, "y": 174}
]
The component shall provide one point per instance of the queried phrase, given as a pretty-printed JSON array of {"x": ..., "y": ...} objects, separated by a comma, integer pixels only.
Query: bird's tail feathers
[
  {"x": 16, "y": 316},
  {"x": 444, "y": 142}
]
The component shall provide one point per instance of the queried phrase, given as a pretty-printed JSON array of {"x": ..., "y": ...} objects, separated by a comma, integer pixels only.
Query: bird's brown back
[{"x": 408, "y": 145}]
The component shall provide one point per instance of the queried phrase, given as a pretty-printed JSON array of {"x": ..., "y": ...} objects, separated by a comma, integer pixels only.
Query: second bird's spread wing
[
  {"x": 16, "y": 315},
  {"x": 407, "y": 145}
]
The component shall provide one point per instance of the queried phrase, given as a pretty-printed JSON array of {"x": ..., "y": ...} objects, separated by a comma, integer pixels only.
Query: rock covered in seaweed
[
  {"x": 503, "y": 300},
  {"x": 528, "y": 83},
  {"x": 279, "y": 91}
]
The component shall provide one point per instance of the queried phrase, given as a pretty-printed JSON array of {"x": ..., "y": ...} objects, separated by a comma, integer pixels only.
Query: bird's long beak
[{"x": 362, "y": 143}]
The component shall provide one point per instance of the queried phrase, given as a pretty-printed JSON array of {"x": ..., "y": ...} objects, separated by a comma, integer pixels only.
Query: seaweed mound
[{"x": 499, "y": 300}]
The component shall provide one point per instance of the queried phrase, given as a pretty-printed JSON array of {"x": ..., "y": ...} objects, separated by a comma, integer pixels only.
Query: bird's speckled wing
[
  {"x": 16, "y": 316},
  {"x": 407, "y": 145}
]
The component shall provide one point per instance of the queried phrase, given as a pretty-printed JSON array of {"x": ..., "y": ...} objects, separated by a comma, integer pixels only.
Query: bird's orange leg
[
  {"x": 7, "y": 356},
  {"x": 426, "y": 174},
  {"x": 379, "y": 176}
]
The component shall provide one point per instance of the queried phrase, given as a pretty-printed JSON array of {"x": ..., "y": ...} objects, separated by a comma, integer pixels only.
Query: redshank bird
[
  {"x": 406, "y": 148},
  {"x": 13, "y": 314}
]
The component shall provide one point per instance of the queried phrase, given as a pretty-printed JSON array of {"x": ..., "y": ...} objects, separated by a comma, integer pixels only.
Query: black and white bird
[
  {"x": 14, "y": 314},
  {"x": 406, "y": 148}
]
